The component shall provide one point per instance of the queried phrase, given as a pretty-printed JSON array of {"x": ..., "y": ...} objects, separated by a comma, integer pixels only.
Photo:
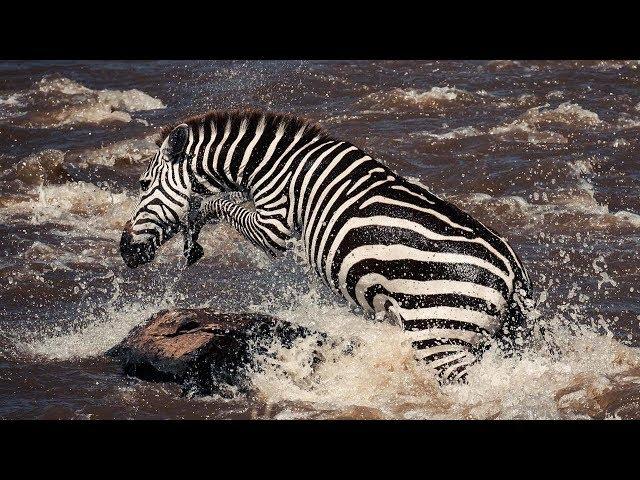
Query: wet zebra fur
[{"x": 382, "y": 242}]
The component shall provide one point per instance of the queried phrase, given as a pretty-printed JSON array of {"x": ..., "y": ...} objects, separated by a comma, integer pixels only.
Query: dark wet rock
[{"x": 203, "y": 350}]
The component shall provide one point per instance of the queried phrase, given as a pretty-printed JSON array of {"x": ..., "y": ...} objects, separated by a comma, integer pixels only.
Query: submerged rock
[{"x": 204, "y": 350}]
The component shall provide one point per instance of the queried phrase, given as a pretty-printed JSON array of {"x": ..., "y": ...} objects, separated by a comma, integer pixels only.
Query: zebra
[{"x": 384, "y": 243}]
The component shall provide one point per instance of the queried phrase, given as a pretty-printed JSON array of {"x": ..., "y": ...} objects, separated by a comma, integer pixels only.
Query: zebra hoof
[{"x": 194, "y": 254}]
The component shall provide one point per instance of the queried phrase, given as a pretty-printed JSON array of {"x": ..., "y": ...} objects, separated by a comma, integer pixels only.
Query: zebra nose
[{"x": 134, "y": 253}]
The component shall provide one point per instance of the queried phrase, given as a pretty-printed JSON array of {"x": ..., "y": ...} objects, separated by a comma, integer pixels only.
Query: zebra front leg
[
  {"x": 196, "y": 219},
  {"x": 192, "y": 250},
  {"x": 262, "y": 232}
]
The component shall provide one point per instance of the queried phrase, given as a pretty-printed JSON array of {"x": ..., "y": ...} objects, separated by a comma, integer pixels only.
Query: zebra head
[{"x": 165, "y": 192}]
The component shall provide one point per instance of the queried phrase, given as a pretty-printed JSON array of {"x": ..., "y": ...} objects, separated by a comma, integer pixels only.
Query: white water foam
[
  {"x": 435, "y": 98},
  {"x": 89, "y": 209},
  {"x": 12, "y": 100},
  {"x": 75, "y": 103},
  {"x": 130, "y": 151},
  {"x": 523, "y": 132},
  {"x": 586, "y": 211},
  {"x": 455, "y": 134},
  {"x": 516, "y": 131},
  {"x": 93, "y": 340},
  {"x": 567, "y": 113}
]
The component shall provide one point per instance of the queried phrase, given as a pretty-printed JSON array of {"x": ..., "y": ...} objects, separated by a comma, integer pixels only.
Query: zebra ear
[{"x": 177, "y": 142}]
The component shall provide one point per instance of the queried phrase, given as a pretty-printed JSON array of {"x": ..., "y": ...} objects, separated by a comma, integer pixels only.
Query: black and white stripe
[{"x": 384, "y": 243}]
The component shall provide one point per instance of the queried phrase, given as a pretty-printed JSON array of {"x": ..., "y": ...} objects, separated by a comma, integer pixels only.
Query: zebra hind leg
[
  {"x": 453, "y": 369},
  {"x": 448, "y": 357},
  {"x": 516, "y": 333}
]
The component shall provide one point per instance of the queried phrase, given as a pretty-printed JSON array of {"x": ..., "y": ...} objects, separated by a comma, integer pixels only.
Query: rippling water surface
[{"x": 547, "y": 153}]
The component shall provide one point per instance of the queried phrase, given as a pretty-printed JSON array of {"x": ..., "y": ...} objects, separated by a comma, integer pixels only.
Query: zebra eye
[{"x": 144, "y": 184}]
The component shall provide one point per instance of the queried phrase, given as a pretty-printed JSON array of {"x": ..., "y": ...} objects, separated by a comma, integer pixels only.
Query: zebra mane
[{"x": 292, "y": 123}]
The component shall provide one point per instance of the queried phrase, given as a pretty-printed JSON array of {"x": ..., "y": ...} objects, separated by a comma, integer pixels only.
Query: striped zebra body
[{"x": 383, "y": 243}]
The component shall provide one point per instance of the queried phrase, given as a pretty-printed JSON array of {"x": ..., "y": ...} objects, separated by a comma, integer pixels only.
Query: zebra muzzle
[{"x": 133, "y": 253}]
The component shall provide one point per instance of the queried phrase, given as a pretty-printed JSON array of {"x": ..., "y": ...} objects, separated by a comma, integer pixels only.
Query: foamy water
[
  {"x": 72, "y": 103},
  {"x": 545, "y": 153}
]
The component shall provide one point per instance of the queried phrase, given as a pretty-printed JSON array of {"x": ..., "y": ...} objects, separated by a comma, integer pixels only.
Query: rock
[{"x": 204, "y": 350}]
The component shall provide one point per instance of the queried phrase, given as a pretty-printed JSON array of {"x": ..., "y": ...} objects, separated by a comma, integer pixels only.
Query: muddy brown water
[{"x": 547, "y": 153}]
